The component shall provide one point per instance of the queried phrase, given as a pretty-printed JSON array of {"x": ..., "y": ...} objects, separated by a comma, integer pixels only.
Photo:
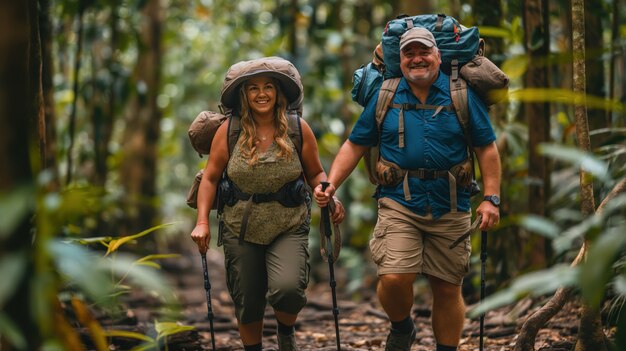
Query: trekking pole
[
  {"x": 483, "y": 260},
  {"x": 327, "y": 232},
  {"x": 207, "y": 287}
]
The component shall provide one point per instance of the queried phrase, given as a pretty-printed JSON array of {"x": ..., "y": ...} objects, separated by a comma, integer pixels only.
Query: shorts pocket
[
  {"x": 378, "y": 244},
  {"x": 468, "y": 249}
]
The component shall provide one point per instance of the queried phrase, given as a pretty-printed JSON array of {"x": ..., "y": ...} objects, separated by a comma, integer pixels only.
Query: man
[{"x": 414, "y": 230}]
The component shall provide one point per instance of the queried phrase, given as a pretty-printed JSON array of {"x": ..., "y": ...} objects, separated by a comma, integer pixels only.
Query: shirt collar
[{"x": 442, "y": 83}]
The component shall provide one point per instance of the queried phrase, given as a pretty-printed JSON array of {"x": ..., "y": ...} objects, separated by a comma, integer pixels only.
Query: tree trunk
[
  {"x": 77, "y": 65},
  {"x": 594, "y": 68},
  {"x": 49, "y": 159},
  {"x": 139, "y": 165},
  {"x": 489, "y": 13},
  {"x": 591, "y": 337},
  {"x": 538, "y": 118},
  {"x": 19, "y": 112},
  {"x": 590, "y": 324}
]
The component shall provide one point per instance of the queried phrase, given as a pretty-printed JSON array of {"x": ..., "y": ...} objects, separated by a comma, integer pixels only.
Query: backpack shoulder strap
[
  {"x": 234, "y": 128},
  {"x": 294, "y": 130},
  {"x": 458, "y": 94},
  {"x": 385, "y": 97}
]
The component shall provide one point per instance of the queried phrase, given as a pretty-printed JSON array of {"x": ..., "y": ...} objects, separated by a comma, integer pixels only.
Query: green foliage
[
  {"x": 14, "y": 206},
  {"x": 604, "y": 230},
  {"x": 163, "y": 329},
  {"x": 10, "y": 331},
  {"x": 327, "y": 41}
]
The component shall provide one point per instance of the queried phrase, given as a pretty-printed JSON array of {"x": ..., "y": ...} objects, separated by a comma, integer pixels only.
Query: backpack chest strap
[{"x": 404, "y": 107}]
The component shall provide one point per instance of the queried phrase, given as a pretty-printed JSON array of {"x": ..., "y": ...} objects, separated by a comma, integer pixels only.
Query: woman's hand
[
  {"x": 338, "y": 212},
  {"x": 201, "y": 235},
  {"x": 323, "y": 197}
]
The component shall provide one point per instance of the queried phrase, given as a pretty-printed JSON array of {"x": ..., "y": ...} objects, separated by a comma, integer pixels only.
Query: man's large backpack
[
  {"x": 203, "y": 128},
  {"x": 462, "y": 55}
]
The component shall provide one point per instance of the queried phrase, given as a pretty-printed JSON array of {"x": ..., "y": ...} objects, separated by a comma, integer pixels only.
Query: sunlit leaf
[
  {"x": 116, "y": 243},
  {"x": 515, "y": 66},
  {"x": 127, "y": 334},
  {"x": 564, "y": 96},
  {"x": 12, "y": 268},
  {"x": 165, "y": 329},
  {"x": 157, "y": 257},
  {"x": 150, "y": 264},
  {"x": 148, "y": 260},
  {"x": 86, "y": 241},
  {"x": 495, "y": 32},
  {"x": 596, "y": 271}
]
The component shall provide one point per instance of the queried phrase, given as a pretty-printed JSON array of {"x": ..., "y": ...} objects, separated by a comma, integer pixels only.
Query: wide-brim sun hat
[{"x": 284, "y": 71}]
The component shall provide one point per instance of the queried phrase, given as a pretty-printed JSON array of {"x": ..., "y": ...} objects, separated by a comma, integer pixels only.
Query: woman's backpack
[{"x": 203, "y": 129}]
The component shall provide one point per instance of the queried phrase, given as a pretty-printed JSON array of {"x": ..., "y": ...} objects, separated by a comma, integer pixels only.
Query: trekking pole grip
[{"x": 325, "y": 213}]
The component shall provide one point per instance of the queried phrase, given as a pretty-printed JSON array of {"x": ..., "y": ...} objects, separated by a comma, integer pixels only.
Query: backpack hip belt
[
  {"x": 291, "y": 194},
  {"x": 390, "y": 174}
]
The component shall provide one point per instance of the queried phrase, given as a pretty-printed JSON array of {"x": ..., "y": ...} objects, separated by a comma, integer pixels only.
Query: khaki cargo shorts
[{"x": 404, "y": 242}]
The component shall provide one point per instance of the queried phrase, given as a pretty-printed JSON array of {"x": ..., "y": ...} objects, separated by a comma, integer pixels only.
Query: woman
[{"x": 265, "y": 242}]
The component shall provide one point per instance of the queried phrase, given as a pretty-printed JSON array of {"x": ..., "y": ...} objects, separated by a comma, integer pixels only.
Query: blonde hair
[{"x": 248, "y": 127}]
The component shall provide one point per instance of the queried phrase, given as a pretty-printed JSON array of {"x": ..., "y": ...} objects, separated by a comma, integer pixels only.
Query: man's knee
[
  {"x": 396, "y": 281},
  {"x": 444, "y": 289}
]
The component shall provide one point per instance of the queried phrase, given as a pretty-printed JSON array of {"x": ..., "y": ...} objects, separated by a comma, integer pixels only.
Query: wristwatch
[{"x": 494, "y": 199}]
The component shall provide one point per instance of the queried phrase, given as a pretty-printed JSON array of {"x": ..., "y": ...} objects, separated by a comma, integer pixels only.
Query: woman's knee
[{"x": 289, "y": 298}]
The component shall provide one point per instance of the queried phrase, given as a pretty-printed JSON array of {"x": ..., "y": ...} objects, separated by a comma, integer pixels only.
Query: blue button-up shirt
[{"x": 430, "y": 142}]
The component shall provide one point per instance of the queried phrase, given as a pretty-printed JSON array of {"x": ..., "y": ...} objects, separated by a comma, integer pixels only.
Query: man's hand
[
  {"x": 338, "y": 212},
  {"x": 490, "y": 213},
  {"x": 201, "y": 235}
]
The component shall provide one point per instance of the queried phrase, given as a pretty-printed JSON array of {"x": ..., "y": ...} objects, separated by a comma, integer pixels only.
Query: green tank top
[{"x": 266, "y": 220}]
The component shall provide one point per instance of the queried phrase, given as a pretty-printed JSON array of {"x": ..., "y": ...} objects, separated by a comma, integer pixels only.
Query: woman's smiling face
[{"x": 261, "y": 94}]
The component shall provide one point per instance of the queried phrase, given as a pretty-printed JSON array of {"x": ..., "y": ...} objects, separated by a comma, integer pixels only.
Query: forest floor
[{"x": 362, "y": 324}]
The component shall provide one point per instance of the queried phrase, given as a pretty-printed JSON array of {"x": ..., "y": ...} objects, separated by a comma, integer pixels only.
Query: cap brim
[
  {"x": 289, "y": 87},
  {"x": 424, "y": 42}
]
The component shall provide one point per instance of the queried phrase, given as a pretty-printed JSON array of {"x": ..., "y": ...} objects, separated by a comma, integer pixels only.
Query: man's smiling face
[{"x": 420, "y": 64}]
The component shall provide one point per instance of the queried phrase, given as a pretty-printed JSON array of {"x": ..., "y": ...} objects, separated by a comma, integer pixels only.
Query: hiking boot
[
  {"x": 287, "y": 342},
  {"x": 400, "y": 342}
]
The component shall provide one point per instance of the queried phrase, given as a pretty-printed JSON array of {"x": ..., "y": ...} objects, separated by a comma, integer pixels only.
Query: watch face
[{"x": 494, "y": 199}]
